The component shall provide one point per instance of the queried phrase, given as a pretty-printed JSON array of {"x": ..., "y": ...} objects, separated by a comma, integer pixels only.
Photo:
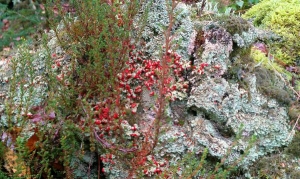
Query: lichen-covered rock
[
  {"x": 223, "y": 116},
  {"x": 222, "y": 110},
  {"x": 5, "y": 73},
  {"x": 226, "y": 108},
  {"x": 216, "y": 48},
  {"x": 156, "y": 23}
]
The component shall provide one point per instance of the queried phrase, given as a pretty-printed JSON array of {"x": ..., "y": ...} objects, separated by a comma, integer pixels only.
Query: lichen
[
  {"x": 232, "y": 106},
  {"x": 245, "y": 39},
  {"x": 157, "y": 22}
]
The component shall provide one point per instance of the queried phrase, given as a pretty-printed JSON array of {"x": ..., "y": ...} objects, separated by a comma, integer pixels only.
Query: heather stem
[{"x": 164, "y": 74}]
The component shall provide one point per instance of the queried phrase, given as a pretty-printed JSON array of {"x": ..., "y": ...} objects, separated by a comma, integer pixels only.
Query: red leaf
[{"x": 31, "y": 142}]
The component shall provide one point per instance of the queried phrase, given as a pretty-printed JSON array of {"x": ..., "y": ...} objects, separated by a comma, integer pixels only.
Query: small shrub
[{"x": 18, "y": 24}]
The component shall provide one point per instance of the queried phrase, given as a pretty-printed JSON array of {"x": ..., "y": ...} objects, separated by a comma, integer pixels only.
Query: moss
[
  {"x": 2, "y": 150},
  {"x": 294, "y": 111},
  {"x": 242, "y": 63},
  {"x": 293, "y": 148},
  {"x": 268, "y": 84},
  {"x": 267, "y": 62},
  {"x": 249, "y": 61},
  {"x": 277, "y": 165},
  {"x": 233, "y": 24},
  {"x": 246, "y": 62},
  {"x": 295, "y": 174},
  {"x": 267, "y": 167},
  {"x": 282, "y": 17}
]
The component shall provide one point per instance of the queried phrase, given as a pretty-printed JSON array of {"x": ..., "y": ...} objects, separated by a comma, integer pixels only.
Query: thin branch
[
  {"x": 111, "y": 146},
  {"x": 293, "y": 128}
]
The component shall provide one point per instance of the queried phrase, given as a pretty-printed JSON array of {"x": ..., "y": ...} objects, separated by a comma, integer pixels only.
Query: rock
[{"x": 156, "y": 23}]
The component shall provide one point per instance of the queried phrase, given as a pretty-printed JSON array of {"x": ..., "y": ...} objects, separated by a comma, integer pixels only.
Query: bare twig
[
  {"x": 293, "y": 128},
  {"x": 111, "y": 146}
]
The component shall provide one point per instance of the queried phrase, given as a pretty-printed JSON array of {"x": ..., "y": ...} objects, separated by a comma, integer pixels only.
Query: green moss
[
  {"x": 241, "y": 64},
  {"x": 295, "y": 174},
  {"x": 233, "y": 24},
  {"x": 2, "y": 150},
  {"x": 268, "y": 84},
  {"x": 293, "y": 148},
  {"x": 282, "y": 17},
  {"x": 267, "y": 62},
  {"x": 294, "y": 111},
  {"x": 267, "y": 167},
  {"x": 249, "y": 61}
]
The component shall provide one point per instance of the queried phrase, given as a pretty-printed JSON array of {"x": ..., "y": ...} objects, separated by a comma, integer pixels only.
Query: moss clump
[
  {"x": 282, "y": 17},
  {"x": 233, "y": 24},
  {"x": 270, "y": 85},
  {"x": 293, "y": 148},
  {"x": 264, "y": 60},
  {"x": 277, "y": 165},
  {"x": 2, "y": 150},
  {"x": 242, "y": 63},
  {"x": 266, "y": 80},
  {"x": 248, "y": 61}
]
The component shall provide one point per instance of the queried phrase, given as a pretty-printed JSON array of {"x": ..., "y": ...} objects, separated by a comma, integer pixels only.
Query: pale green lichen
[
  {"x": 157, "y": 22},
  {"x": 245, "y": 39}
]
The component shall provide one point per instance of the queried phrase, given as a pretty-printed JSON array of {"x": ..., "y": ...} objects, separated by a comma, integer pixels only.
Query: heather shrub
[{"x": 75, "y": 107}]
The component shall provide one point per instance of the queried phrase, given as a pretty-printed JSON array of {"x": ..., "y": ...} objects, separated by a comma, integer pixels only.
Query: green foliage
[
  {"x": 3, "y": 175},
  {"x": 243, "y": 4},
  {"x": 234, "y": 6},
  {"x": 2, "y": 151},
  {"x": 282, "y": 17},
  {"x": 21, "y": 24}
]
